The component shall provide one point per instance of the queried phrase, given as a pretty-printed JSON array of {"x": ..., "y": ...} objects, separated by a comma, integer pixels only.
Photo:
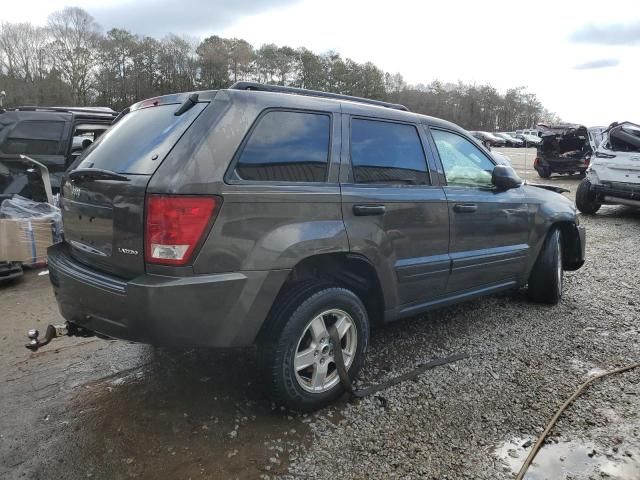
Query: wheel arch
[
  {"x": 352, "y": 271},
  {"x": 572, "y": 248}
]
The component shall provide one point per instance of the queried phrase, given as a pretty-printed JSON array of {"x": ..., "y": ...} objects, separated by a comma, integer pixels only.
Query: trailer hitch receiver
[{"x": 55, "y": 331}]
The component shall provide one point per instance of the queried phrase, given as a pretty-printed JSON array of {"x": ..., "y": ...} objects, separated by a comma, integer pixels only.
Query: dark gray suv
[{"x": 266, "y": 215}]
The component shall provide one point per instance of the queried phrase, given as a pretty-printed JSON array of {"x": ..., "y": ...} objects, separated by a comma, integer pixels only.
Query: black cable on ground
[
  {"x": 553, "y": 421},
  {"x": 361, "y": 393}
]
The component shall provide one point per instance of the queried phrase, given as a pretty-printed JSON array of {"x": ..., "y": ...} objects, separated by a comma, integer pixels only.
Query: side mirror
[{"x": 505, "y": 177}]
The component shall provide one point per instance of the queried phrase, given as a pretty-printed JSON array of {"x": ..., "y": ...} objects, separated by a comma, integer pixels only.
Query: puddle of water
[{"x": 568, "y": 459}]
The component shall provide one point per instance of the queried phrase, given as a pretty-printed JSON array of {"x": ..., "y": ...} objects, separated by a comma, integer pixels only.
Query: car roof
[{"x": 292, "y": 99}]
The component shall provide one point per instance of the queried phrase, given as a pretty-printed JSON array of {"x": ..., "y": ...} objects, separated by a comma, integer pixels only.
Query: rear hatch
[
  {"x": 566, "y": 145},
  {"x": 103, "y": 195}
]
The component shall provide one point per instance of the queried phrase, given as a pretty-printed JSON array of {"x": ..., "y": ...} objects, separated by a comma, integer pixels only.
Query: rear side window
[
  {"x": 34, "y": 137},
  {"x": 385, "y": 152},
  {"x": 286, "y": 147},
  {"x": 140, "y": 140}
]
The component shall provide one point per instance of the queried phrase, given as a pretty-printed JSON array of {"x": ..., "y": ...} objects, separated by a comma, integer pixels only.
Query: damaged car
[
  {"x": 613, "y": 176},
  {"x": 565, "y": 149},
  {"x": 49, "y": 138}
]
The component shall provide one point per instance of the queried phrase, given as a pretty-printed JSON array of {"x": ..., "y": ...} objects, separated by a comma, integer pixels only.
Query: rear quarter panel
[{"x": 261, "y": 225}]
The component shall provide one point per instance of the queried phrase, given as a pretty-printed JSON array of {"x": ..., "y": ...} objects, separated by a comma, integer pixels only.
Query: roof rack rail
[
  {"x": 88, "y": 110},
  {"x": 261, "y": 87}
]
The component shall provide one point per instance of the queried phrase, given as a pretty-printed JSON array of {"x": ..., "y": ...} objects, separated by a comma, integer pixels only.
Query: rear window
[
  {"x": 140, "y": 140},
  {"x": 287, "y": 147}
]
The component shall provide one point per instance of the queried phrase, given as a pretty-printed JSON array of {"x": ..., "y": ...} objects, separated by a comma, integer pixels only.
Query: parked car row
[{"x": 507, "y": 139}]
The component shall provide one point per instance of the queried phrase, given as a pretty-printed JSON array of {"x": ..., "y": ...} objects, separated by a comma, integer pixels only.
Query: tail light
[
  {"x": 175, "y": 226},
  {"x": 536, "y": 162}
]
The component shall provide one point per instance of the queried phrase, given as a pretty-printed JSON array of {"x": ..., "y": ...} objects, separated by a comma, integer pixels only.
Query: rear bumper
[
  {"x": 562, "y": 165},
  {"x": 218, "y": 310}
]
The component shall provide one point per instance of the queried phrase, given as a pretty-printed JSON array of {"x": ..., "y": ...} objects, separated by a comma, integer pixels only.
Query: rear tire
[
  {"x": 301, "y": 325},
  {"x": 545, "y": 281},
  {"x": 586, "y": 201},
  {"x": 544, "y": 172}
]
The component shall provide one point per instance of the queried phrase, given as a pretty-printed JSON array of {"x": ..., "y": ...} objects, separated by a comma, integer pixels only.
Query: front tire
[
  {"x": 299, "y": 358},
  {"x": 545, "y": 281},
  {"x": 586, "y": 201}
]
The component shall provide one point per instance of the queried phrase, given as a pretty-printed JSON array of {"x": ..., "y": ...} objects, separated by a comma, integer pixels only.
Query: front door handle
[
  {"x": 465, "y": 207},
  {"x": 366, "y": 210}
]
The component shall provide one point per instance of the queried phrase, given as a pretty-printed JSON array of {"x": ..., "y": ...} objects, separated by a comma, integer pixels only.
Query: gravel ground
[
  {"x": 108, "y": 409},
  {"x": 471, "y": 419}
]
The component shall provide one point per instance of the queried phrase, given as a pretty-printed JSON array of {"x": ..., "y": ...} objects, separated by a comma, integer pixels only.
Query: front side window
[
  {"x": 34, "y": 137},
  {"x": 464, "y": 164},
  {"x": 385, "y": 152},
  {"x": 287, "y": 147}
]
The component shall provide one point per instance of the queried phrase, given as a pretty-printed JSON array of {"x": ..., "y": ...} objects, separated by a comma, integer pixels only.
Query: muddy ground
[{"x": 100, "y": 409}]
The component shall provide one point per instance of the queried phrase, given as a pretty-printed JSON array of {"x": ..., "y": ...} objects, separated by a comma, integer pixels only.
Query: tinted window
[
  {"x": 384, "y": 152},
  {"x": 287, "y": 147},
  {"x": 33, "y": 137},
  {"x": 464, "y": 163},
  {"x": 130, "y": 145}
]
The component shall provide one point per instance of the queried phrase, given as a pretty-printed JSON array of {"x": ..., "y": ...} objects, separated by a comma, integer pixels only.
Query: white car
[{"x": 613, "y": 176}]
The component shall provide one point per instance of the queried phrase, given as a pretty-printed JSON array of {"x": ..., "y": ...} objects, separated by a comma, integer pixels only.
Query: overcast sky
[{"x": 580, "y": 58}]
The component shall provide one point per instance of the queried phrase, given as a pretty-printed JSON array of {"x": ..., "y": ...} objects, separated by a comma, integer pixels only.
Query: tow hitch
[{"x": 55, "y": 331}]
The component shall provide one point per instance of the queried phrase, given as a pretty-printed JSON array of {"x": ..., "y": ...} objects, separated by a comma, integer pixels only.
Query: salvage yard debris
[{"x": 27, "y": 229}]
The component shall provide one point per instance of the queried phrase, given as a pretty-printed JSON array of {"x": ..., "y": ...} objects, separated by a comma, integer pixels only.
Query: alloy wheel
[{"x": 314, "y": 363}]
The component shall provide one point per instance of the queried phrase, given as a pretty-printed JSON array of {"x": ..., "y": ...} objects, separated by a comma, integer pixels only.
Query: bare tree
[
  {"x": 70, "y": 61},
  {"x": 75, "y": 36}
]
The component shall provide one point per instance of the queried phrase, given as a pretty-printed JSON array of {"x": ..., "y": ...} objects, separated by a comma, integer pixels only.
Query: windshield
[{"x": 140, "y": 140}]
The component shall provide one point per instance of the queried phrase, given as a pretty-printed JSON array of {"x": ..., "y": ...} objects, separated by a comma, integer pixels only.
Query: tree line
[{"x": 70, "y": 61}]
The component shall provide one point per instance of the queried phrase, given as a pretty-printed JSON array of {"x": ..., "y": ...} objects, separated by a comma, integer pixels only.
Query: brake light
[
  {"x": 175, "y": 225},
  {"x": 536, "y": 162}
]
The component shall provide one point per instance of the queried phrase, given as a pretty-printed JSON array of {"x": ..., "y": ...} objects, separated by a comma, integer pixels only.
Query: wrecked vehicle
[
  {"x": 613, "y": 176},
  {"x": 53, "y": 137},
  {"x": 565, "y": 149},
  {"x": 294, "y": 220}
]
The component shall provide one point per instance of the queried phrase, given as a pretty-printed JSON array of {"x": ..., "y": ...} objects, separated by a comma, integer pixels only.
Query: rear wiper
[
  {"x": 189, "y": 103},
  {"x": 97, "y": 174}
]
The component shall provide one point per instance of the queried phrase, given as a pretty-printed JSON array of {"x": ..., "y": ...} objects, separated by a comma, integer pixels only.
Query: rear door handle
[
  {"x": 465, "y": 207},
  {"x": 365, "y": 210}
]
